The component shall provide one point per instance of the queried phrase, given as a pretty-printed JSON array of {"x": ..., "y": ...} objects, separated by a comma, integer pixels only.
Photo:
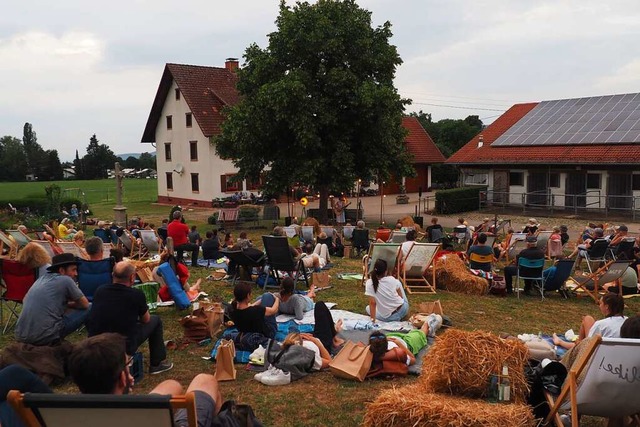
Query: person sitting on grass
[
  {"x": 294, "y": 303},
  {"x": 403, "y": 347},
  {"x": 387, "y": 300},
  {"x": 612, "y": 308},
  {"x": 182, "y": 273},
  {"x": 256, "y": 322}
]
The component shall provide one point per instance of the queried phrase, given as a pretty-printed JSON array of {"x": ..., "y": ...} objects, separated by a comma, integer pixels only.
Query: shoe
[
  {"x": 164, "y": 366},
  {"x": 435, "y": 322},
  {"x": 258, "y": 377},
  {"x": 276, "y": 377}
]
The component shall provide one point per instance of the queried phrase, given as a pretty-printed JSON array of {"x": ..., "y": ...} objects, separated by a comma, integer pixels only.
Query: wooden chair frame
[
  {"x": 10, "y": 244},
  {"x": 599, "y": 277},
  {"x": 372, "y": 257},
  {"x": 423, "y": 286}
]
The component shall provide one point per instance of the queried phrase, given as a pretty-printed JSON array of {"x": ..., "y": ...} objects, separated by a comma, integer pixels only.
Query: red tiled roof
[
  {"x": 420, "y": 144},
  {"x": 599, "y": 154},
  {"x": 207, "y": 90}
]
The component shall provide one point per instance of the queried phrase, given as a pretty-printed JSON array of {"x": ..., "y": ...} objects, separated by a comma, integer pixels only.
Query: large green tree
[
  {"x": 318, "y": 104},
  {"x": 98, "y": 160},
  {"x": 147, "y": 161},
  {"x": 13, "y": 161}
]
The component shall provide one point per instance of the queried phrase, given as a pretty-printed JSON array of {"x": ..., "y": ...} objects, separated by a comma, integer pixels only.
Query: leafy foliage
[
  {"x": 96, "y": 162},
  {"x": 458, "y": 199},
  {"x": 318, "y": 104},
  {"x": 13, "y": 161}
]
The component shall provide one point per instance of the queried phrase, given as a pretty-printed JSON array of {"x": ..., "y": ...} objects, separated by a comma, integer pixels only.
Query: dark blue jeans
[{"x": 15, "y": 377}]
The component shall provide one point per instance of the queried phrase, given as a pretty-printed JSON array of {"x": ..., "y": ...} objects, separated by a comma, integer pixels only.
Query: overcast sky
[{"x": 73, "y": 68}]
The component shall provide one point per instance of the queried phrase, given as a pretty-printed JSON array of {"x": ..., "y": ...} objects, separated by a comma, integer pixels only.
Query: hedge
[{"x": 458, "y": 199}]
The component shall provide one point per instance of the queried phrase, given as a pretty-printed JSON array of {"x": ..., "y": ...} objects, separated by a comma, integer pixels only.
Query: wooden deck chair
[
  {"x": 398, "y": 237},
  {"x": 21, "y": 239},
  {"x": 491, "y": 240},
  {"x": 71, "y": 248},
  {"x": 9, "y": 244},
  {"x": 329, "y": 231},
  {"x": 611, "y": 386},
  {"x": 228, "y": 215},
  {"x": 47, "y": 246},
  {"x": 390, "y": 252},
  {"x": 100, "y": 410},
  {"x": 612, "y": 271},
  {"x": 515, "y": 247},
  {"x": 151, "y": 242},
  {"x": 130, "y": 244},
  {"x": 280, "y": 260},
  {"x": 347, "y": 233},
  {"x": 51, "y": 231},
  {"x": 415, "y": 266},
  {"x": 543, "y": 240},
  {"x": 502, "y": 226},
  {"x": 106, "y": 250},
  {"x": 307, "y": 233}
]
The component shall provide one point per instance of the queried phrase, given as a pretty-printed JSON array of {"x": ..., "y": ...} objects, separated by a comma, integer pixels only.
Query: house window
[
  {"x": 169, "y": 122},
  {"x": 195, "y": 183},
  {"x": 635, "y": 182},
  {"x": 177, "y": 94},
  {"x": 516, "y": 178},
  {"x": 227, "y": 185},
  {"x": 593, "y": 181},
  {"x": 188, "y": 119},
  {"x": 169, "y": 181},
  {"x": 193, "y": 150},
  {"x": 473, "y": 178},
  {"x": 254, "y": 184},
  {"x": 554, "y": 180},
  {"x": 167, "y": 151}
]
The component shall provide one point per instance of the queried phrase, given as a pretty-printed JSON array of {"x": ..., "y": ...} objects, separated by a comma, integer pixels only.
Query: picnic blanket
[
  {"x": 350, "y": 276},
  {"x": 351, "y": 321}
]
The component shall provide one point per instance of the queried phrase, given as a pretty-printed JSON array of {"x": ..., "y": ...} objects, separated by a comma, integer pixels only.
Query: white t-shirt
[
  {"x": 391, "y": 345},
  {"x": 387, "y": 298},
  {"x": 406, "y": 246},
  {"x": 317, "y": 362},
  {"x": 608, "y": 327}
]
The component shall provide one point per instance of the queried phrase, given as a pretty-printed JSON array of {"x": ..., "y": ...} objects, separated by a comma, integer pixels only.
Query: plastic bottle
[
  {"x": 505, "y": 385},
  {"x": 493, "y": 390}
]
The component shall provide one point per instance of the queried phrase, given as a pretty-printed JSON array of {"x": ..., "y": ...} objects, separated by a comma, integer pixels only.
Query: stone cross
[{"x": 120, "y": 212}]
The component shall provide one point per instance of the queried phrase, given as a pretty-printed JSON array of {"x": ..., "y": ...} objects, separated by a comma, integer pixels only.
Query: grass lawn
[{"x": 320, "y": 399}]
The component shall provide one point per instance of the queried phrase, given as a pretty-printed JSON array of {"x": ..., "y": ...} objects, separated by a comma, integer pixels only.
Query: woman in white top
[
  {"x": 612, "y": 307},
  {"x": 387, "y": 300}
]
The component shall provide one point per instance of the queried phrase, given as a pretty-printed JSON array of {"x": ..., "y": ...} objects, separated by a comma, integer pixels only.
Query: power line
[
  {"x": 461, "y": 107},
  {"x": 465, "y": 97},
  {"x": 437, "y": 99}
]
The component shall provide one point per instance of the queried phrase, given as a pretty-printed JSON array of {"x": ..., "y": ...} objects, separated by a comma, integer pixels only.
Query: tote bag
[
  {"x": 353, "y": 362},
  {"x": 225, "y": 369}
]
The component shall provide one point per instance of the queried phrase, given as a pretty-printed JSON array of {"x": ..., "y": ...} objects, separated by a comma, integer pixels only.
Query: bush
[
  {"x": 458, "y": 199},
  {"x": 248, "y": 212},
  {"x": 32, "y": 202},
  {"x": 213, "y": 218}
]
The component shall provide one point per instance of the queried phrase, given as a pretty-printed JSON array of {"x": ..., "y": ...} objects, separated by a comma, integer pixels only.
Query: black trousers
[
  {"x": 324, "y": 328},
  {"x": 153, "y": 332},
  {"x": 195, "y": 251}
]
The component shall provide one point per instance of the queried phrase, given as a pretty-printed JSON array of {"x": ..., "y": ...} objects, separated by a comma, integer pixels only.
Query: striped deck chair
[
  {"x": 51, "y": 231},
  {"x": 21, "y": 239},
  {"x": 71, "y": 248},
  {"x": 151, "y": 242},
  {"x": 9, "y": 245},
  {"x": 228, "y": 215},
  {"x": 612, "y": 271},
  {"x": 390, "y": 252},
  {"x": 543, "y": 240},
  {"x": 414, "y": 268},
  {"x": 307, "y": 233},
  {"x": 48, "y": 246}
]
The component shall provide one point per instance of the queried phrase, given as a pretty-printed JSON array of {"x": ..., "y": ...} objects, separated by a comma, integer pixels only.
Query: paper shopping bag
[
  {"x": 353, "y": 362},
  {"x": 225, "y": 369},
  {"x": 215, "y": 318},
  {"x": 320, "y": 280},
  {"x": 431, "y": 307}
]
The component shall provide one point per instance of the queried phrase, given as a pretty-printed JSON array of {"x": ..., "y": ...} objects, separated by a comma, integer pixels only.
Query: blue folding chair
[
  {"x": 561, "y": 272},
  {"x": 103, "y": 234},
  {"x": 534, "y": 267},
  {"x": 93, "y": 274}
]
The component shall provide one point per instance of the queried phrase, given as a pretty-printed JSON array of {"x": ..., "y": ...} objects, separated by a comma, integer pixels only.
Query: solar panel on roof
[{"x": 612, "y": 119}]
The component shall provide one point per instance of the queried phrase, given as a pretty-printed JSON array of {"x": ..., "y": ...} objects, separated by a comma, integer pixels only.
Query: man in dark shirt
[
  {"x": 480, "y": 248},
  {"x": 179, "y": 232},
  {"x": 531, "y": 252},
  {"x": 211, "y": 246},
  {"x": 119, "y": 308}
]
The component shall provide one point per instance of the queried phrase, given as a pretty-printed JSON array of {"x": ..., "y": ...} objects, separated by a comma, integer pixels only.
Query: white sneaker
[
  {"x": 277, "y": 377},
  {"x": 435, "y": 322},
  {"x": 260, "y": 375}
]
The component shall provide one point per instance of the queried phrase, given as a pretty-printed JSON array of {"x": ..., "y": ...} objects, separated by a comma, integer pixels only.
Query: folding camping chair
[
  {"x": 612, "y": 271},
  {"x": 280, "y": 259},
  {"x": 482, "y": 259},
  {"x": 240, "y": 259},
  {"x": 10, "y": 245},
  {"x": 71, "y": 248},
  {"x": 101, "y": 410},
  {"x": 398, "y": 237},
  {"x": 360, "y": 240},
  {"x": 610, "y": 387},
  {"x": 535, "y": 266},
  {"x": 624, "y": 249},
  {"x": 18, "y": 279},
  {"x": 307, "y": 233},
  {"x": 414, "y": 268},
  {"x": 598, "y": 252},
  {"x": 390, "y": 252},
  {"x": 21, "y": 239},
  {"x": 93, "y": 274},
  {"x": 557, "y": 282},
  {"x": 103, "y": 234},
  {"x": 151, "y": 242}
]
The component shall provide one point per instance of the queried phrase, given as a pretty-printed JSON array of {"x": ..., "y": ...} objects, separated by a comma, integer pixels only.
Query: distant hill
[{"x": 127, "y": 155}]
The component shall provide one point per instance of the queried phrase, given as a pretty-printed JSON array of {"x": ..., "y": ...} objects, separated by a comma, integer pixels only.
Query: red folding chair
[{"x": 18, "y": 279}]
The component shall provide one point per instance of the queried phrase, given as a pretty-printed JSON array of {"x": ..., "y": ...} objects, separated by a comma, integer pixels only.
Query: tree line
[{"x": 19, "y": 158}]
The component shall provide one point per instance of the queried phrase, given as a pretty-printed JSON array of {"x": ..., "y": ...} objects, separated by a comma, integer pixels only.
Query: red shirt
[{"x": 179, "y": 232}]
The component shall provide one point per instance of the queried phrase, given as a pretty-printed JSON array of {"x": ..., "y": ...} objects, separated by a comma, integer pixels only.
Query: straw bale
[
  {"x": 461, "y": 363},
  {"x": 414, "y": 406},
  {"x": 453, "y": 275}
]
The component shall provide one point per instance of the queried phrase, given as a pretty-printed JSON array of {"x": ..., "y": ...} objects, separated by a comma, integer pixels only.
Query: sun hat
[
  {"x": 532, "y": 239},
  {"x": 62, "y": 260}
]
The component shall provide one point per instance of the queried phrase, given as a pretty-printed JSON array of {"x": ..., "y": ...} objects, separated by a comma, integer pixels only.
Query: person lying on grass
[
  {"x": 294, "y": 303},
  {"x": 612, "y": 307}
]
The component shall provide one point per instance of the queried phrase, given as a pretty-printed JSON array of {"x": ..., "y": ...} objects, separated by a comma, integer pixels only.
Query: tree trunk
[{"x": 324, "y": 203}]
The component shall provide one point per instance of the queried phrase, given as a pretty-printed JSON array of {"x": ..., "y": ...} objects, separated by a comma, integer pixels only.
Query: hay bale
[
  {"x": 461, "y": 362},
  {"x": 453, "y": 275},
  {"x": 415, "y": 406}
]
